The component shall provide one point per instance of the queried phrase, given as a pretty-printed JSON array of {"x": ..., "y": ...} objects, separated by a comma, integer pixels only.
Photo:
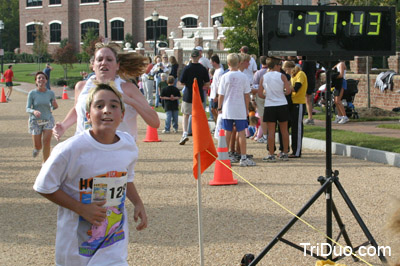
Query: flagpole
[{"x": 199, "y": 211}]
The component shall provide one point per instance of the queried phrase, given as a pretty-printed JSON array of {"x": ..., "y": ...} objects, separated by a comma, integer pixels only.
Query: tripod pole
[{"x": 328, "y": 172}]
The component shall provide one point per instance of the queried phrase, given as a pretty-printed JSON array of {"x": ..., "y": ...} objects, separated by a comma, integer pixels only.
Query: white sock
[{"x": 243, "y": 156}]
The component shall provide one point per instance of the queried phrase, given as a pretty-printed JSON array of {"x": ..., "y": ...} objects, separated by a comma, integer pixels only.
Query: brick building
[{"x": 71, "y": 19}]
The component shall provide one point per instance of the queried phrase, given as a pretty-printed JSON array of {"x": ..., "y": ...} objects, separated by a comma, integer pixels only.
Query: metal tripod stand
[{"x": 326, "y": 187}]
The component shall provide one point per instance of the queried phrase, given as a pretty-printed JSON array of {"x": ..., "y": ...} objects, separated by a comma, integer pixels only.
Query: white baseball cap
[{"x": 199, "y": 48}]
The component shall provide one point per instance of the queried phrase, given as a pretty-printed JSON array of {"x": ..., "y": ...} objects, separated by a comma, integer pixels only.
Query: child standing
[
  {"x": 170, "y": 95},
  {"x": 89, "y": 176},
  {"x": 233, "y": 101},
  {"x": 163, "y": 84}
]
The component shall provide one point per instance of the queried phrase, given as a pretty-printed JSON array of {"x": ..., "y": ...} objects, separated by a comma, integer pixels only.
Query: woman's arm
[
  {"x": 260, "y": 92},
  {"x": 71, "y": 117},
  {"x": 287, "y": 87},
  {"x": 136, "y": 99},
  {"x": 139, "y": 212}
]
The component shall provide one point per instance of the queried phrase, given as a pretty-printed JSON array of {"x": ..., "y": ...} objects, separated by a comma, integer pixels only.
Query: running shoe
[
  {"x": 309, "y": 122},
  {"x": 35, "y": 153},
  {"x": 247, "y": 162},
  {"x": 269, "y": 159},
  {"x": 344, "y": 120},
  {"x": 183, "y": 140}
]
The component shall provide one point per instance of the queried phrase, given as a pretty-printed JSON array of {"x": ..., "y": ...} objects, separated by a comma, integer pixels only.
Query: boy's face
[
  {"x": 245, "y": 64},
  {"x": 105, "y": 111}
]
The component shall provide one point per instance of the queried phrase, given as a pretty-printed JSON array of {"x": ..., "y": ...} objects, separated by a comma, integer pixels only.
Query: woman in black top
[{"x": 174, "y": 68}]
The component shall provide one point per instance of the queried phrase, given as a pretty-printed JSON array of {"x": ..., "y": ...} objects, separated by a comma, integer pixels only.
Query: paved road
[{"x": 237, "y": 219}]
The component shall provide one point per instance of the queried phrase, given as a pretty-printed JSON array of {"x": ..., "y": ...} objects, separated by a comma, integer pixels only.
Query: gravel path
[{"x": 237, "y": 219}]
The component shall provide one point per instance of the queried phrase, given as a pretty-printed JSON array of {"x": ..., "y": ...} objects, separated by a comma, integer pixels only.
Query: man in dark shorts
[{"x": 9, "y": 75}]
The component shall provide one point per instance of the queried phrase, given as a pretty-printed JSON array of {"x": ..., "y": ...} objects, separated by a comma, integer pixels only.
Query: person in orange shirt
[{"x": 9, "y": 75}]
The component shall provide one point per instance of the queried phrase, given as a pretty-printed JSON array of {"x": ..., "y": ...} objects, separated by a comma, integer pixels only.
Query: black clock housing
[{"x": 326, "y": 31}]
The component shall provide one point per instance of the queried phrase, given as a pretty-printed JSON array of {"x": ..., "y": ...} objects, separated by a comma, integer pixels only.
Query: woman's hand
[
  {"x": 58, "y": 131},
  {"x": 37, "y": 114}
]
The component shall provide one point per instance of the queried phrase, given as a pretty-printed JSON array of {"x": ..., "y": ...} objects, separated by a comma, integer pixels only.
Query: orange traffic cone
[
  {"x": 2, "y": 78},
  {"x": 151, "y": 135},
  {"x": 222, "y": 174},
  {"x": 65, "y": 95},
  {"x": 3, "y": 96}
]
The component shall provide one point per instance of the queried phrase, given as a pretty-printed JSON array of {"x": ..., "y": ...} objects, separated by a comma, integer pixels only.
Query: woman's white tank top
[
  {"x": 128, "y": 124},
  {"x": 273, "y": 85}
]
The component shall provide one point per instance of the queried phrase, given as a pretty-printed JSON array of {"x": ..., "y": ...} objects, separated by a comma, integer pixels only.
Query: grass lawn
[
  {"x": 390, "y": 126},
  {"x": 322, "y": 116},
  {"x": 26, "y": 72},
  {"x": 355, "y": 139}
]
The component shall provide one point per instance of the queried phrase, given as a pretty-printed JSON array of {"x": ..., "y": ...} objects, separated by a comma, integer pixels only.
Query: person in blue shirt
[{"x": 47, "y": 71}]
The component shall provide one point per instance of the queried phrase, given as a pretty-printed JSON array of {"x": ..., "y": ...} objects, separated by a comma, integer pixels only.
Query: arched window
[
  {"x": 160, "y": 28},
  {"x": 219, "y": 18},
  {"x": 55, "y": 32},
  {"x": 89, "y": 25},
  {"x": 33, "y": 3},
  {"x": 190, "y": 22},
  {"x": 30, "y": 32},
  {"x": 117, "y": 30}
]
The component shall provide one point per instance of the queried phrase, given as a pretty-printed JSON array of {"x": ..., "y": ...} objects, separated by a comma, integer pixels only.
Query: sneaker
[
  {"x": 174, "y": 131},
  {"x": 309, "y": 122},
  {"x": 270, "y": 159},
  {"x": 344, "y": 120},
  {"x": 183, "y": 140},
  {"x": 233, "y": 158},
  {"x": 262, "y": 140},
  {"x": 8, "y": 99},
  {"x": 247, "y": 162},
  {"x": 337, "y": 119},
  {"x": 284, "y": 156},
  {"x": 35, "y": 153},
  {"x": 165, "y": 131}
]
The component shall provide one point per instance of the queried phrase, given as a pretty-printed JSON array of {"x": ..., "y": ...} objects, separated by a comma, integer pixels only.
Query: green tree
[
  {"x": 242, "y": 16},
  {"x": 88, "y": 46},
  {"x": 40, "y": 44},
  {"x": 129, "y": 38},
  {"x": 65, "y": 56},
  {"x": 9, "y": 14}
]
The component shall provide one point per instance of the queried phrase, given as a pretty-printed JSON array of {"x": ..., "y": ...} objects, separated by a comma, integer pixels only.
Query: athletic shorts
[
  {"x": 9, "y": 84},
  {"x": 311, "y": 88},
  {"x": 36, "y": 126},
  {"x": 227, "y": 124},
  {"x": 186, "y": 108},
  {"x": 276, "y": 113}
]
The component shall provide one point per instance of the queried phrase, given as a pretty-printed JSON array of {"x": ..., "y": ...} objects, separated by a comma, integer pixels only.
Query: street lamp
[
  {"x": 105, "y": 18},
  {"x": 1, "y": 45},
  {"x": 154, "y": 17}
]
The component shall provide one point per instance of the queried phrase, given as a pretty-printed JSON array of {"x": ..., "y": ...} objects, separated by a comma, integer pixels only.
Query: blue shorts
[
  {"x": 241, "y": 125},
  {"x": 36, "y": 127}
]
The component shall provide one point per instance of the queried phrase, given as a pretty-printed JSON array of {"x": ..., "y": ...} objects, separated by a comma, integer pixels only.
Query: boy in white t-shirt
[
  {"x": 89, "y": 176},
  {"x": 233, "y": 102}
]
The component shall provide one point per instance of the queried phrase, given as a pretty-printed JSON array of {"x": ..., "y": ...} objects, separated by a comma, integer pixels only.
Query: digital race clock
[{"x": 327, "y": 30}]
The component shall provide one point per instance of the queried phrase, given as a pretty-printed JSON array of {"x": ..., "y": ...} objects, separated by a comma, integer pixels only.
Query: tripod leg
[
  {"x": 358, "y": 218},
  {"x": 292, "y": 222}
]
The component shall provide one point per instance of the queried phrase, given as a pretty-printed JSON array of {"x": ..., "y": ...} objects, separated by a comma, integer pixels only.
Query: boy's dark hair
[
  {"x": 170, "y": 80},
  {"x": 42, "y": 73},
  {"x": 215, "y": 58},
  {"x": 263, "y": 60},
  {"x": 10, "y": 66},
  {"x": 272, "y": 61},
  {"x": 253, "y": 120}
]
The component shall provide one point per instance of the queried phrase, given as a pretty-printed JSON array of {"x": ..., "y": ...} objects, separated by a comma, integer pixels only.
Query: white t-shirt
[
  {"x": 215, "y": 82},
  {"x": 273, "y": 86},
  {"x": 234, "y": 85},
  {"x": 71, "y": 167},
  {"x": 205, "y": 62},
  {"x": 128, "y": 124},
  {"x": 249, "y": 71}
]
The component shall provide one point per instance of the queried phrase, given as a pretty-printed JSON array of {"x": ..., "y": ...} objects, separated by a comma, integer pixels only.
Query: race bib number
[{"x": 110, "y": 189}]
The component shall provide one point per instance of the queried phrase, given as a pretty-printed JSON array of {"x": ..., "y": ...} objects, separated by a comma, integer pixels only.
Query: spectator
[
  {"x": 47, "y": 71},
  {"x": 171, "y": 95},
  {"x": 9, "y": 76}
]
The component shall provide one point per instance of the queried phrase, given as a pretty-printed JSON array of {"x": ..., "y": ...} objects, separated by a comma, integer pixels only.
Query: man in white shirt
[
  {"x": 203, "y": 60},
  {"x": 252, "y": 68},
  {"x": 215, "y": 62}
]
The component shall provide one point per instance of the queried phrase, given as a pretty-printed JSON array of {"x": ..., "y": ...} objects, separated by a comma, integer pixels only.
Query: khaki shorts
[
  {"x": 186, "y": 108},
  {"x": 260, "y": 106}
]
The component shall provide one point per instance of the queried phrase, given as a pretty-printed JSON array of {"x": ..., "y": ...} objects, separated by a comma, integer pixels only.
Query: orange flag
[{"x": 202, "y": 139}]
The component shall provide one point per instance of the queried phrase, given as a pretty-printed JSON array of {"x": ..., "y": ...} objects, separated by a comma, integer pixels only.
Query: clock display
[{"x": 327, "y": 30}]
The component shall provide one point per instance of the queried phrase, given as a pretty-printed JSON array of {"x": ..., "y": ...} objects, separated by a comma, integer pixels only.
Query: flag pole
[{"x": 199, "y": 211}]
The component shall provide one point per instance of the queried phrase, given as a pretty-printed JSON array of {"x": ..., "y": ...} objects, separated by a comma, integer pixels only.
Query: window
[
  {"x": 161, "y": 28},
  {"x": 33, "y": 3},
  {"x": 87, "y": 25},
  {"x": 55, "y": 32},
  {"x": 190, "y": 22},
  {"x": 89, "y": 1},
  {"x": 30, "y": 32},
  {"x": 117, "y": 30},
  {"x": 219, "y": 18},
  {"x": 55, "y": 2}
]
